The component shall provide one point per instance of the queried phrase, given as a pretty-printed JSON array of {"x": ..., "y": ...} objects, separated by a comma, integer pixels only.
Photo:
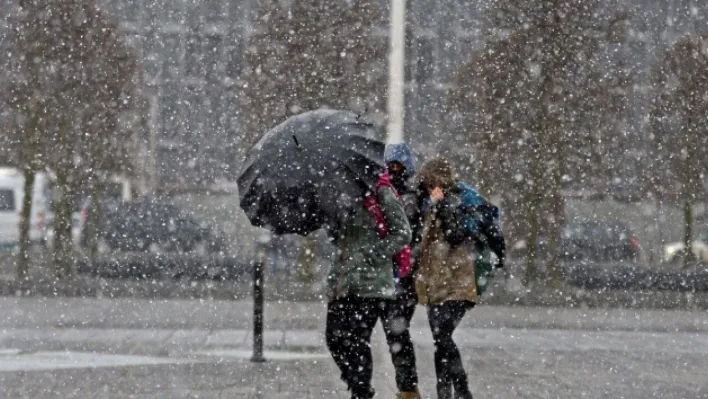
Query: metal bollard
[{"x": 258, "y": 313}]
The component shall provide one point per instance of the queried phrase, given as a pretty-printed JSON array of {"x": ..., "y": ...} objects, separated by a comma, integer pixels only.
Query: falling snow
[{"x": 157, "y": 156}]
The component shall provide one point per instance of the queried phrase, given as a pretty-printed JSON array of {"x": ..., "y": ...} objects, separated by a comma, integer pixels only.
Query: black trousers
[
  {"x": 444, "y": 318},
  {"x": 350, "y": 322},
  {"x": 396, "y": 324}
]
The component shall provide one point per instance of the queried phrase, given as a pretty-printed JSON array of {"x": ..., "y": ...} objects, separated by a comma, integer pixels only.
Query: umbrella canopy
[{"x": 309, "y": 171}]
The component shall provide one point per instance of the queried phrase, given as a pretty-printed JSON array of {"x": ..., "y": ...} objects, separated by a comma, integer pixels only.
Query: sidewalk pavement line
[{"x": 59, "y": 360}]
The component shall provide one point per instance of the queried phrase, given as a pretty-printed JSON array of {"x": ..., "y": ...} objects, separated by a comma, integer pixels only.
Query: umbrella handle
[{"x": 366, "y": 109}]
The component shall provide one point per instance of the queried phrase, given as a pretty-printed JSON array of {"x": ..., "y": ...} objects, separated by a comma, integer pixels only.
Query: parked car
[
  {"x": 152, "y": 238},
  {"x": 116, "y": 188},
  {"x": 151, "y": 226},
  {"x": 599, "y": 241},
  {"x": 699, "y": 247},
  {"x": 589, "y": 240}
]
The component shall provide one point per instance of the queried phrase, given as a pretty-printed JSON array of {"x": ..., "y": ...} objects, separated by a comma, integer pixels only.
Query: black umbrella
[{"x": 309, "y": 170}]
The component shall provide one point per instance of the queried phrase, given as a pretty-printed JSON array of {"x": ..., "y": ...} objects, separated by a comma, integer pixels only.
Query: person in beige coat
[{"x": 445, "y": 279}]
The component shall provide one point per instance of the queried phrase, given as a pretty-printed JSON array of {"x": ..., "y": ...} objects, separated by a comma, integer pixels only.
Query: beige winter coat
[{"x": 445, "y": 273}]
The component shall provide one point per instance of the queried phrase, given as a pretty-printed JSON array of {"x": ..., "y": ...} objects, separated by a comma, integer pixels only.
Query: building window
[
  {"x": 171, "y": 55},
  {"x": 425, "y": 59},
  {"x": 234, "y": 59},
  {"x": 152, "y": 66},
  {"x": 152, "y": 12},
  {"x": 447, "y": 59},
  {"x": 410, "y": 55},
  {"x": 193, "y": 11},
  {"x": 193, "y": 106},
  {"x": 169, "y": 118},
  {"x": 164, "y": 12},
  {"x": 193, "y": 61},
  {"x": 215, "y": 109},
  {"x": 464, "y": 49},
  {"x": 212, "y": 57},
  {"x": 470, "y": 16},
  {"x": 135, "y": 42},
  {"x": 701, "y": 21},
  {"x": 213, "y": 10},
  {"x": 423, "y": 13},
  {"x": 152, "y": 60},
  {"x": 170, "y": 167},
  {"x": 238, "y": 10},
  {"x": 172, "y": 11},
  {"x": 129, "y": 10}
]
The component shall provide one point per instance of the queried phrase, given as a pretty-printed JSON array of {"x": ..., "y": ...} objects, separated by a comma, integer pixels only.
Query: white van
[{"x": 11, "y": 199}]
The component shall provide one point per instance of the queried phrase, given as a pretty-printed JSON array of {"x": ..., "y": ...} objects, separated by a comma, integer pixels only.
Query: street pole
[
  {"x": 154, "y": 121},
  {"x": 258, "y": 313},
  {"x": 396, "y": 72},
  {"x": 258, "y": 306}
]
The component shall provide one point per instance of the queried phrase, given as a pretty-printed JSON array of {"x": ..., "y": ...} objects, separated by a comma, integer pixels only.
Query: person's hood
[
  {"x": 402, "y": 154},
  {"x": 437, "y": 172}
]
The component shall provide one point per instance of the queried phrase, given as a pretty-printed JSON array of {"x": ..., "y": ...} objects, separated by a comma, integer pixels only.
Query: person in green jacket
[{"x": 359, "y": 283}]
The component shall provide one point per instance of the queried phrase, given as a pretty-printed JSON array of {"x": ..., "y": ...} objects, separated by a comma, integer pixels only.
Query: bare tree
[
  {"x": 26, "y": 96},
  {"x": 313, "y": 54},
  {"x": 108, "y": 146},
  {"x": 73, "y": 76},
  {"x": 530, "y": 93},
  {"x": 679, "y": 117}
]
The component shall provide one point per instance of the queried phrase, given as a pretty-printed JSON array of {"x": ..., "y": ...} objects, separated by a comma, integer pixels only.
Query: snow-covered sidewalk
[{"x": 78, "y": 348}]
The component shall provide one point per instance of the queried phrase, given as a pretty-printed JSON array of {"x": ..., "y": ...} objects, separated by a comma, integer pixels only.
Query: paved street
[{"x": 100, "y": 348}]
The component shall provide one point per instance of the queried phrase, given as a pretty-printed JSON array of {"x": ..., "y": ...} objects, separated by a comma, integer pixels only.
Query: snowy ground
[{"x": 100, "y": 348}]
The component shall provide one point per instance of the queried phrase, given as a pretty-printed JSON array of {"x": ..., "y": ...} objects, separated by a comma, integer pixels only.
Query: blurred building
[
  {"x": 191, "y": 51},
  {"x": 441, "y": 36}
]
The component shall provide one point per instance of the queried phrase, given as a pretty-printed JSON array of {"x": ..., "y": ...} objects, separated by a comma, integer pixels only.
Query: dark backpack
[{"x": 482, "y": 223}]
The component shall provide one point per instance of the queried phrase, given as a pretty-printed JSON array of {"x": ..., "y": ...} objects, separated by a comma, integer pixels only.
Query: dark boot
[
  {"x": 444, "y": 390},
  {"x": 363, "y": 393},
  {"x": 463, "y": 393}
]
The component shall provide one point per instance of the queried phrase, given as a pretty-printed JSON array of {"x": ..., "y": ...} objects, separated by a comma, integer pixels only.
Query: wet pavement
[{"x": 101, "y": 348}]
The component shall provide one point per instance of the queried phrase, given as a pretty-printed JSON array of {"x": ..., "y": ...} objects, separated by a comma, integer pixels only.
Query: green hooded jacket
[{"x": 364, "y": 266}]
